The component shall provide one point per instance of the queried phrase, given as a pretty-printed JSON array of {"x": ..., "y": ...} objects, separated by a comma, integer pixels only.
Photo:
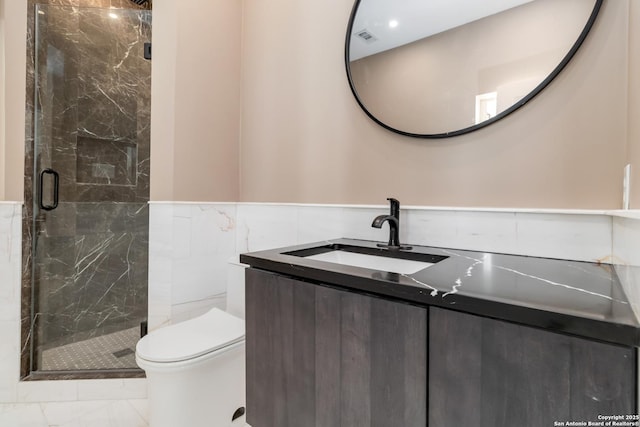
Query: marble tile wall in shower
[
  {"x": 92, "y": 114},
  {"x": 93, "y": 90},
  {"x": 92, "y": 280}
]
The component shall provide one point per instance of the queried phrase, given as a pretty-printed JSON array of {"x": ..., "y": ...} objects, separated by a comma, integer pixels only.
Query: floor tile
[
  {"x": 60, "y": 413},
  {"x": 22, "y": 415},
  {"x": 99, "y": 413},
  {"x": 116, "y": 413},
  {"x": 142, "y": 407}
]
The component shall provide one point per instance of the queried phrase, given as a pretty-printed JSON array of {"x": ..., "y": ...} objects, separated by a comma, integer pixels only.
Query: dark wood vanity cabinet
[
  {"x": 322, "y": 357},
  {"x": 489, "y": 373}
]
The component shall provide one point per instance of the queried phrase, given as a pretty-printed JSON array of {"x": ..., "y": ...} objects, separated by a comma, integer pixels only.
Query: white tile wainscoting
[
  {"x": 626, "y": 257},
  {"x": 10, "y": 267},
  {"x": 191, "y": 243},
  {"x": 626, "y": 254}
]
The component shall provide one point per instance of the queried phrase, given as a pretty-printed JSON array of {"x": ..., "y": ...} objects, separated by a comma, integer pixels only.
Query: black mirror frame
[{"x": 503, "y": 114}]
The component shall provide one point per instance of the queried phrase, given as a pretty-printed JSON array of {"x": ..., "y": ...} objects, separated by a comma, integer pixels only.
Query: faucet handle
[{"x": 395, "y": 207}]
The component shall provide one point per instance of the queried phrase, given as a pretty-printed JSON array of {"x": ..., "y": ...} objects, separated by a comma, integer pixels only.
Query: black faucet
[{"x": 394, "y": 226}]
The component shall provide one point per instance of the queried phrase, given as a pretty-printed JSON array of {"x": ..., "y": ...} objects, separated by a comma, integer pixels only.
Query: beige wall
[
  {"x": 13, "y": 14},
  {"x": 633, "y": 148},
  {"x": 2, "y": 101},
  {"x": 196, "y": 97},
  {"x": 195, "y": 110},
  {"x": 304, "y": 139}
]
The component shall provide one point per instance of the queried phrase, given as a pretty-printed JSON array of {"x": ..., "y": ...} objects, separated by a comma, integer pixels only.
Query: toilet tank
[{"x": 235, "y": 287}]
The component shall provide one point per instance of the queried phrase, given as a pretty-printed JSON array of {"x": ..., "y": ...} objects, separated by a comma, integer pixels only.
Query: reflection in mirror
[{"x": 437, "y": 68}]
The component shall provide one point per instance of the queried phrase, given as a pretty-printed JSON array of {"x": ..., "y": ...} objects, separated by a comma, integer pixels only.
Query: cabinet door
[
  {"x": 317, "y": 356},
  {"x": 490, "y": 373}
]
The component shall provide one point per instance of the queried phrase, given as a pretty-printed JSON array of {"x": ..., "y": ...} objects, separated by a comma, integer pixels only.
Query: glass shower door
[{"x": 91, "y": 163}]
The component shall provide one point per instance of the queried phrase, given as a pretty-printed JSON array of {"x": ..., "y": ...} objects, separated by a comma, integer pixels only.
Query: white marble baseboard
[{"x": 76, "y": 390}]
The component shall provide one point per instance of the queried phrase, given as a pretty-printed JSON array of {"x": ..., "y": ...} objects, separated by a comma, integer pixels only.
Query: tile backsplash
[
  {"x": 190, "y": 243},
  {"x": 626, "y": 256}
]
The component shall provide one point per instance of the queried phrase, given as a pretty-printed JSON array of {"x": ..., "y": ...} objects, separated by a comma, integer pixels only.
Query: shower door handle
[{"x": 56, "y": 179}]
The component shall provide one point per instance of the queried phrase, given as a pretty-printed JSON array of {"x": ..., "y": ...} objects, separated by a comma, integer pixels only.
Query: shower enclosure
[{"x": 90, "y": 188}]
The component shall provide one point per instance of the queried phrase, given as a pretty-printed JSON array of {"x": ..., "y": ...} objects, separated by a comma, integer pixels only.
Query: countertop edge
[{"x": 612, "y": 333}]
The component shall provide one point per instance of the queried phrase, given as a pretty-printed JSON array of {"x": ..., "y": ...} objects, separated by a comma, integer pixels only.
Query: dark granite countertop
[{"x": 578, "y": 298}]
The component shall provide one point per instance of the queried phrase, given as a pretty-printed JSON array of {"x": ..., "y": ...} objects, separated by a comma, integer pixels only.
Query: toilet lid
[{"x": 187, "y": 340}]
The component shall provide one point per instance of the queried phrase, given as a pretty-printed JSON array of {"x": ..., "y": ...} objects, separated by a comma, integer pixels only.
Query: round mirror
[{"x": 439, "y": 68}]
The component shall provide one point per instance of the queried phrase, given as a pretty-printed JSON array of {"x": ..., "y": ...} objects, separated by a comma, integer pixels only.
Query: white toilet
[{"x": 196, "y": 369}]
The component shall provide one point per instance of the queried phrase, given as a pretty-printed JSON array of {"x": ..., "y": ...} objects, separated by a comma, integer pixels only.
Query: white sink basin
[{"x": 374, "y": 262}]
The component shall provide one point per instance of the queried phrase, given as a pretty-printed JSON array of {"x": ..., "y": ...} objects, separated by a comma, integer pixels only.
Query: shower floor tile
[{"x": 111, "y": 351}]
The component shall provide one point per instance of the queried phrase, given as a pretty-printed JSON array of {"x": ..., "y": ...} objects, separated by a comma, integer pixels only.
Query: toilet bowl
[{"x": 196, "y": 369}]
